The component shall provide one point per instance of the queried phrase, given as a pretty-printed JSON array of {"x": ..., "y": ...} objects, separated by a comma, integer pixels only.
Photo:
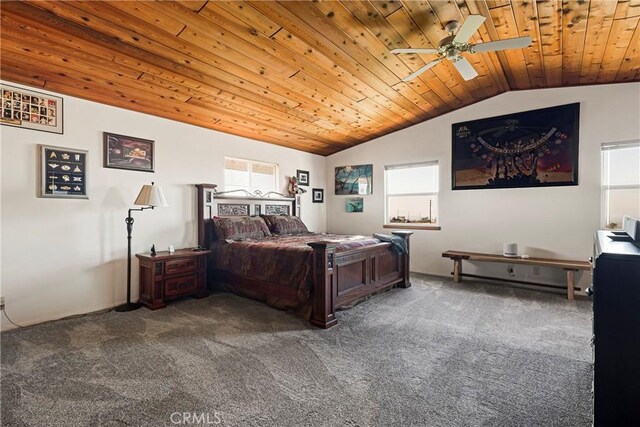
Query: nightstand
[{"x": 166, "y": 276}]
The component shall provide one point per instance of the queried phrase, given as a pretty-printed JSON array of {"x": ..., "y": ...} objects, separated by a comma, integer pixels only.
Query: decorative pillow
[
  {"x": 284, "y": 224},
  {"x": 240, "y": 227}
]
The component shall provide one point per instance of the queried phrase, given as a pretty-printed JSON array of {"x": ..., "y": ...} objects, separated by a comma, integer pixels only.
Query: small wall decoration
[
  {"x": 318, "y": 195},
  {"x": 355, "y": 204},
  {"x": 528, "y": 149},
  {"x": 354, "y": 179},
  {"x": 303, "y": 177},
  {"x": 63, "y": 172},
  {"x": 31, "y": 110},
  {"x": 127, "y": 152}
]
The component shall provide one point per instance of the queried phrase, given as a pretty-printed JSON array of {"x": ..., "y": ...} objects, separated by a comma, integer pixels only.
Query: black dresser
[{"x": 616, "y": 329}]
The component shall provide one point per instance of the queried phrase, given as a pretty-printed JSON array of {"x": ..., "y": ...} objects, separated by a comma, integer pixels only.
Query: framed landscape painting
[
  {"x": 535, "y": 148},
  {"x": 354, "y": 179}
]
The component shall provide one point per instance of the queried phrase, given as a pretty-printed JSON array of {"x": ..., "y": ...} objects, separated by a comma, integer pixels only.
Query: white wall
[
  {"x": 554, "y": 221},
  {"x": 62, "y": 257}
]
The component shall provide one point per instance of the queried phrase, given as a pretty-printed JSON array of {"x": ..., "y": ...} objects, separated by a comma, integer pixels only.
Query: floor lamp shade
[{"x": 151, "y": 195}]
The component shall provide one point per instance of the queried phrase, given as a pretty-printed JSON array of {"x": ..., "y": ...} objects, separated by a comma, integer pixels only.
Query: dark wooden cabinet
[
  {"x": 616, "y": 329},
  {"x": 166, "y": 276}
]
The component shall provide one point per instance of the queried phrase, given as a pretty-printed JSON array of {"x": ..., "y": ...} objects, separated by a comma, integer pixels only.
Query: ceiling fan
[{"x": 451, "y": 47}]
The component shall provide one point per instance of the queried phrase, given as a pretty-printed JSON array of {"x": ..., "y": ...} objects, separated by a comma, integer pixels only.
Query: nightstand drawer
[
  {"x": 178, "y": 266},
  {"x": 186, "y": 285}
]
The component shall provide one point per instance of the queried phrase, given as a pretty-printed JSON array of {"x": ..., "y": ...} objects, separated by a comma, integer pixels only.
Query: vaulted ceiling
[{"x": 314, "y": 76}]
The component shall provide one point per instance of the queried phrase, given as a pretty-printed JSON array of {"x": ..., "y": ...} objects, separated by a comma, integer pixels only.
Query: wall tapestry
[
  {"x": 354, "y": 179},
  {"x": 528, "y": 149},
  {"x": 31, "y": 110},
  {"x": 63, "y": 172},
  {"x": 127, "y": 152}
]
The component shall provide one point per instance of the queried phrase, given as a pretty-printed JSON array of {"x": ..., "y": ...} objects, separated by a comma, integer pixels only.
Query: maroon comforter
[{"x": 282, "y": 260}]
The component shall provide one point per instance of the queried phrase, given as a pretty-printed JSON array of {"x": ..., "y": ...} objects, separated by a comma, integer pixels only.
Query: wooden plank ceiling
[{"x": 314, "y": 76}]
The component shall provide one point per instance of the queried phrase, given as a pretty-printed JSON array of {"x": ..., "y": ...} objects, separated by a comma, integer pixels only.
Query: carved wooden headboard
[{"x": 236, "y": 203}]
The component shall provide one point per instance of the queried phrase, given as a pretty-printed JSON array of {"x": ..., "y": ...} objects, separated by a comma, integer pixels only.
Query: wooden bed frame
[{"x": 339, "y": 278}]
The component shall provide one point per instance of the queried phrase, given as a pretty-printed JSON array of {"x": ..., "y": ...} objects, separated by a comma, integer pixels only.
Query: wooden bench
[{"x": 570, "y": 266}]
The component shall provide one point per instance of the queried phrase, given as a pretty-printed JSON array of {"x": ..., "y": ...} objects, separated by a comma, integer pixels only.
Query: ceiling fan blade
[
  {"x": 414, "y": 50},
  {"x": 470, "y": 26},
  {"x": 465, "y": 68},
  {"x": 421, "y": 70},
  {"x": 514, "y": 43}
]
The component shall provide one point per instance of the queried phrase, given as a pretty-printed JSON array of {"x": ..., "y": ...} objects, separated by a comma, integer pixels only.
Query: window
[
  {"x": 240, "y": 174},
  {"x": 620, "y": 182},
  {"x": 411, "y": 194}
]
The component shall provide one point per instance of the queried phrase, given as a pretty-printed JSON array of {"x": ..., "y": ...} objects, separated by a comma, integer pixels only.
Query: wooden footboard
[{"x": 340, "y": 278}]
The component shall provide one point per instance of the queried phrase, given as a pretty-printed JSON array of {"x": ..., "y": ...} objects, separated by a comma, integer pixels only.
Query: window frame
[
  {"x": 387, "y": 195},
  {"x": 604, "y": 189},
  {"x": 250, "y": 164}
]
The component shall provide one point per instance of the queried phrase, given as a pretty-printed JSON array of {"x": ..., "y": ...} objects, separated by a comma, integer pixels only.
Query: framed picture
[
  {"x": 354, "y": 179},
  {"x": 318, "y": 195},
  {"x": 354, "y": 204},
  {"x": 63, "y": 172},
  {"x": 529, "y": 149},
  {"x": 303, "y": 177},
  {"x": 31, "y": 110},
  {"x": 127, "y": 152}
]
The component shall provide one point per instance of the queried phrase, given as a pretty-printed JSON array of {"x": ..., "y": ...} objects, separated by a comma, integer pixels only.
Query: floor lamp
[{"x": 150, "y": 196}]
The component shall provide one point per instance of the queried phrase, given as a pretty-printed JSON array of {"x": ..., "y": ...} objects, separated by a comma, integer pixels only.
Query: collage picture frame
[{"x": 28, "y": 109}]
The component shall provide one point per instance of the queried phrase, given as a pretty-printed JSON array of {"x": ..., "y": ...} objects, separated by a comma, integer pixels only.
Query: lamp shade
[{"x": 151, "y": 195}]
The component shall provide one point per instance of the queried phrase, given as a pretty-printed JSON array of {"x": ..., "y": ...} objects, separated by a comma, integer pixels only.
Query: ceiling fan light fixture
[{"x": 451, "y": 46}]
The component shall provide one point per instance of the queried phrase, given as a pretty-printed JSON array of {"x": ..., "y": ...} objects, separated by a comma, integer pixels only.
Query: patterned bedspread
[{"x": 285, "y": 260}]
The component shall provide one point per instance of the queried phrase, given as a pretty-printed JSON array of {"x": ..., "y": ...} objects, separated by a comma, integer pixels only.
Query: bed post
[
  {"x": 324, "y": 284},
  {"x": 406, "y": 282},
  {"x": 204, "y": 201}
]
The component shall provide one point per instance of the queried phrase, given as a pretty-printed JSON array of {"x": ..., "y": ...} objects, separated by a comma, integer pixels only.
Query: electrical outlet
[
  {"x": 511, "y": 271},
  {"x": 536, "y": 270},
  {"x": 1, "y": 303}
]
